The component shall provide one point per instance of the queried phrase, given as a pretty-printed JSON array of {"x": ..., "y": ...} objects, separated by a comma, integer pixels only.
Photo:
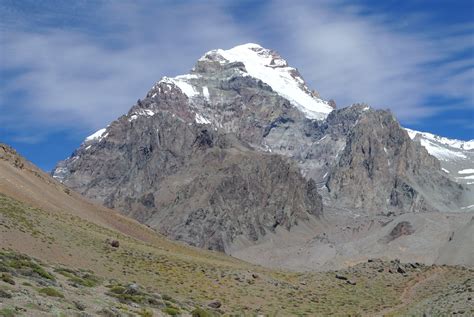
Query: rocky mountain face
[
  {"x": 189, "y": 181},
  {"x": 381, "y": 169},
  {"x": 241, "y": 146}
]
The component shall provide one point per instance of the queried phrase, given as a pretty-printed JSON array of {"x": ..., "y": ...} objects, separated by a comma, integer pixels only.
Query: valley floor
[{"x": 339, "y": 239}]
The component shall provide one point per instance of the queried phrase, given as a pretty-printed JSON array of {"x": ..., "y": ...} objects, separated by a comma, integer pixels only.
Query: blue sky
[{"x": 68, "y": 68}]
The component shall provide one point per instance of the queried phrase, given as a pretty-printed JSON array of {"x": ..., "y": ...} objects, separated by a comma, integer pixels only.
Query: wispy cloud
[
  {"x": 82, "y": 74},
  {"x": 69, "y": 77},
  {"x": 351, "y": 56}
]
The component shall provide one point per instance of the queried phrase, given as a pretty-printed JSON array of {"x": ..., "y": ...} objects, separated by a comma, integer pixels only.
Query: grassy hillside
[{"x": 76, "y": 262}]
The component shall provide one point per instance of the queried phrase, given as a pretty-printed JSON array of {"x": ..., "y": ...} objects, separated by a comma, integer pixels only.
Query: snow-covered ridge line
[
  {"x": 442, "y": 148},
  {"x": 201, "y": 119},
  {"x": 458, "y": 144},
  {"x": 273, "y": 70}
]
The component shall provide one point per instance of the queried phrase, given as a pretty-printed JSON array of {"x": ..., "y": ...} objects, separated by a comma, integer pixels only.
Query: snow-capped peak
[{"x": 272, "y": 69}]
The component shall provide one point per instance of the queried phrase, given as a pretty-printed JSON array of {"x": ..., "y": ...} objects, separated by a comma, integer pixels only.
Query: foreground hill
[{"x": 62, "y": 255}]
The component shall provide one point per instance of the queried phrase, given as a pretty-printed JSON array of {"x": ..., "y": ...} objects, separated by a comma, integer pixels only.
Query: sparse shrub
[
  {"x": 3, "y": 267},
  {"x": 145, "y": 313},
  {"x": 199, "y": 312},
  {"x": 42, "y": 272},
  {"x": 5, "y": 294},
  {"x": 117, "y": 289},
  {"x": 121, "y": 293},
  {"x": 7, "y": 312},
  {"x": 171, "y": 311},
  {"x": 166, "y": 297},
  {"x": 66, "y": 272},
  {"x": 86, "y": 280},
  {"x": 49, "y": 291},
  {"x": 126, "y": 298},
  {"x": 7, "y": 278},
  {"x": 19, "y": 262}
]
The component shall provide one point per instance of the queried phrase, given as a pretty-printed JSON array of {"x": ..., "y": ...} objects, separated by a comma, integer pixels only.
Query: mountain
[
  {"x": 61, "y": 254},
  {"x": 456, "y": 156},
  {"x": 240, "y": 148}
]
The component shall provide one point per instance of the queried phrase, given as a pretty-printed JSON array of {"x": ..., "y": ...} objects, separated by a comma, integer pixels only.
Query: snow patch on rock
[
  {"x": 141, "y": 112},
  {"x": 182, "y": 82},
  {"x": 202, "y": 120},
  {"x": 98, "y": 135},
  {"x": 466, "y": 177},
  {"x": 467, "y": 171},
  {"x": 205, "y": 92}
]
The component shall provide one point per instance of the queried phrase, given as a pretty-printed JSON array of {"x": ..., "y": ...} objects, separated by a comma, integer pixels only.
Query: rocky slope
[
  {"x": 211, "y": 148},
  {"x": 458, "y": 248},
  {"x": 339, "y": 241}
]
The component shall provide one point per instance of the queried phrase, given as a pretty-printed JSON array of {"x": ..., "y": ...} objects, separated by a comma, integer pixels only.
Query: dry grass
[{"x": 185, "y": 274}]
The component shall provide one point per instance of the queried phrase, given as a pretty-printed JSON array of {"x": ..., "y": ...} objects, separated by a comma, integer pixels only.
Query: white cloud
[
  {"x": 78, "y": 79},
  {"x": 350, "y": 56},
  {"x": 82, "y": 77}
]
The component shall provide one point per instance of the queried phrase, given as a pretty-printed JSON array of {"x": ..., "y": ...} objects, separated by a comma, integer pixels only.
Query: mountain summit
[{"x": 269, "y": 67}]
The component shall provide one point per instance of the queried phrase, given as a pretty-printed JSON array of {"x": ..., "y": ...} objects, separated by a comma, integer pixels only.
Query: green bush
[
  {"x": 87, "y": 280},
  {"x": 49, "y": 291},
  {"x": 171, "y": 311},
  {"x": 199, "y": 312},
  {"x": 145, "y": 313},
  {"x": 126, "y": 298},
  {"x": 118, "y": 292},
  {"x": 7, "y": 312},
  {"x": 22, "y": 262},
  {"x": 66, "y": 272},
  {"x": 117, "y": 289},
  {"x": 41, "y": 272},
  {"x": 166, "y": 297}
]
